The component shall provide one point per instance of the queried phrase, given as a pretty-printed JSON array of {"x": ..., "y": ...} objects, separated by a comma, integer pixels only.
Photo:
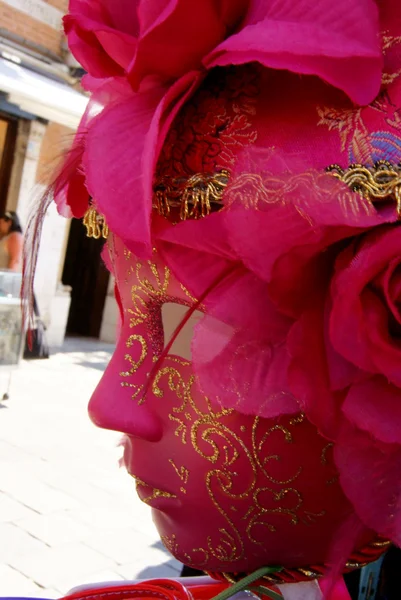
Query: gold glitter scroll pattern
[
  {"x": 156, "y": 493},
  {"x": 138, "y": 344},
  {"x": 253, "y": 503},
  {"x": 147, "y": 293},
  {"x": 182, "y": 473},
  {"x": 281, "y": 492},
  {"x": 151, "y": 285},
  {"x": 213, "y": 441},
  {"x": 251, "y": 509},
  {"x": 218, "y": 444},
  {"x": 212, "y": 438},
  {"x": 176, "y": 383}
]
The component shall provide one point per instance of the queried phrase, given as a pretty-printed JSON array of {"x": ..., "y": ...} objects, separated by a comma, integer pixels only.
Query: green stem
[
  {"x": 264, "y": 591},
  {"x": 246, "y": 582}
]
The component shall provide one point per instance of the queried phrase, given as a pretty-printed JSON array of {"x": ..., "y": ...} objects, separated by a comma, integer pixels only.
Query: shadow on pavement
[
  {"x": 100, "y": 366},
  {"x": 167, "y": 569},
  {"x": 86, "y": 352},
  {"x": 85, "y": 345}
]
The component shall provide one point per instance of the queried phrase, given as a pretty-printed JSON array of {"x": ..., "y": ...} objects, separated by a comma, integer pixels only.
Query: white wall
[
  {"x": 110, "y": 321},
  {"x": 53, "y": 300}
]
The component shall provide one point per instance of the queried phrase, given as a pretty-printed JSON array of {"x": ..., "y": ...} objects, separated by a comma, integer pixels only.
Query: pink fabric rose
[
  {"x": 345, "y": 353},
  {"x": 363, "y": 343},
  {"x": 102, "y": 35},
  {"x": 163, "y": 50}
]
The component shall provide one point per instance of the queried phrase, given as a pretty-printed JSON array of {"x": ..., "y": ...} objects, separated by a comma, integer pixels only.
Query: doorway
[
  {"x": 8, "y": 139},
  {"x": 88, "y": 277}
]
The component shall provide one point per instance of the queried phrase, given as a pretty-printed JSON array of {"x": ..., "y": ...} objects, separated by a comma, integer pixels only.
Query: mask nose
[{"x": 112, "y": 406}]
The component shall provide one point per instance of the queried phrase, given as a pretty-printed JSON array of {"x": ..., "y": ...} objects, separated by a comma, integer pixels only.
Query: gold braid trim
[
  {"x": 380, "y": 182},
  {"x": 95, "y": 223},
  {"x": 197, "y": 196},
  {"x": 359, "y": 560}
]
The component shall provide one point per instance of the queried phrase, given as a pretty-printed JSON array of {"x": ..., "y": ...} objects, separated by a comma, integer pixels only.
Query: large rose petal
[
  {"x": 359, "y": 324},
  {"x": 197, "y": 252},
  {"x": 374, "y": 405},
  {"x": 370, "y": 477},
  {"x": 238, "y": 350},
  {"x": 70, "y": 193},
  {"x": 309, "y": 375},
  {"x": 121, "y": 153},
  {"x": 102, "y": 35},
  {"x": 338, "y": 42},
  {"x": 382, "y": 349},
  {"x": 113, "y": 164},
  {"x": 69, "y": 188},
  {"x": 391, "y": 286},
  {"x": 241, "y": 371},
  {"x": 177, "y": 34}
]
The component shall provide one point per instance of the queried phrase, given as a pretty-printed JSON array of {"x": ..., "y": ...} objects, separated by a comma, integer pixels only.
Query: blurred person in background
[{"x": 11, "y": 242}]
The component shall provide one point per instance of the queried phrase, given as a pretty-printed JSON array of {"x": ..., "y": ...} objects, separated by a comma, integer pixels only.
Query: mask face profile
[{"x": 228, "y": 491}]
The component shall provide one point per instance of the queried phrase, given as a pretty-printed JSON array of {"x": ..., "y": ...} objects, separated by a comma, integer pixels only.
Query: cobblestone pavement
[{"x": 68, "y": 514}]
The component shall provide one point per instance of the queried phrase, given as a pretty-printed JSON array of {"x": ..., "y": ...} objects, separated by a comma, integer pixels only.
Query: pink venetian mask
[
  {"x": 229, "y": 492},
  {"x": 254, "y": 436}
]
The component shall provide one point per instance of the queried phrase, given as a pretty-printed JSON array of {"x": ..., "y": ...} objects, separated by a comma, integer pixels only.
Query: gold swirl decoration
[
  {"x": 260, "y": 502},
  {"x": 200, "y": 425},
  {"x": 202, "y": 193}
]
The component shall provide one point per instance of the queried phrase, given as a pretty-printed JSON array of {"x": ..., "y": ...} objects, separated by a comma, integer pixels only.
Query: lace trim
[{"x": 201, "y": 194}]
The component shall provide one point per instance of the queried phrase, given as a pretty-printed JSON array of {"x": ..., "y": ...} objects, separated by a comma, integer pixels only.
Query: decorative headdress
[{"x": 299, "y": 179}]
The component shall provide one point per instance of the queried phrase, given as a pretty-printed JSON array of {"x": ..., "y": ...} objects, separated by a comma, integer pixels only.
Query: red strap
[{"x": 156, "y": 589}]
